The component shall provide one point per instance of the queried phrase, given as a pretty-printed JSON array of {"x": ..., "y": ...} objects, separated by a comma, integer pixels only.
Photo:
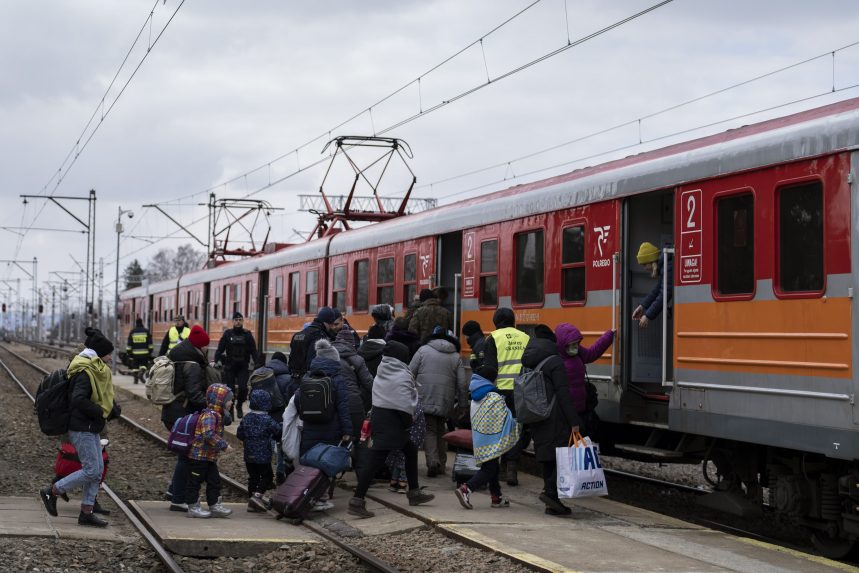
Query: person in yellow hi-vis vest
[
  {"x": 502, "y": 362},
  {"x": 139, "y": 349},
  {"x": 180, "y": 331}
]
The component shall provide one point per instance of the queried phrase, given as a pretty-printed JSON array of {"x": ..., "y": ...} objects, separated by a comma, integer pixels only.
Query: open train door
[
  {"x": 448, "y": 274},
  {"x": 262, "y": 316},
  {"x": 647, "y": 349}
]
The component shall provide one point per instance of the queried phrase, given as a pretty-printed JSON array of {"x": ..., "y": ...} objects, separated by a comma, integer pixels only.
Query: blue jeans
[{"x": 88, "y": 446}]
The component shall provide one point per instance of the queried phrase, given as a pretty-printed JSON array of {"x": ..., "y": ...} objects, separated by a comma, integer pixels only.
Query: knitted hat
[
  {"x": 260, "y": 400},
  {"x": 198, "y": 337},
  {"x": 95, "y": 340},
  {"x": 471, "y": 327},
  {"x": 503, "y": 318},
  {"x": 647, "y": 253},
  {"x": 326, "y": 315},
  {"x": 279, "y": 356},
  {"x": 325, "y": 350},
  {"x": 346, "y": 336},
  {"x": 237, "y": 315},
  {"x": 396, "y": 350},
  {"x": 427, "y": 294}
]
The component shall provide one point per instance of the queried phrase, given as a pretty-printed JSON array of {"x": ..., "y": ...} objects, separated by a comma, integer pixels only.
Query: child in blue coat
[{"x": 257, "y": 431}]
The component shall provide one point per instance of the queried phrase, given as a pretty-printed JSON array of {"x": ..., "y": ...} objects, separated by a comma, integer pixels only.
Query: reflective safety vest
[
  {"x": 176, "y": 336},
  {"x": 141, "y": 343},
  {"x": 510, "y": 344}
]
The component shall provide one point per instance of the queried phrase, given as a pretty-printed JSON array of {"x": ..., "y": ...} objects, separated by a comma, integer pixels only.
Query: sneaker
[
  {"x": 555, "y": 505},
  {"x": 464, "y": 496},
  {"x": 402, "y": 487},
  {"x": 91, "y": 519},
  {"x": 96, "y": 508},
  {"x": 358, "y": 508},
  {"x": 257, "y": 504},
  {"x": 49, "y": 499},
  {"x": 179, "y": 507},
  {"x": 322, "y": 505},
  {"x": 500, "y": 501},
  {"x": 418, "y": 497},
  {"x": 220, "y": 510},
  {"x": 197, "y": 511},
  {"x": 394, "y": 486}
]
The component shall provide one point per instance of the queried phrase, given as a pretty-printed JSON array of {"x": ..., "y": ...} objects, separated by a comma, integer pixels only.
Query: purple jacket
[{"x": 575, "y": 365}]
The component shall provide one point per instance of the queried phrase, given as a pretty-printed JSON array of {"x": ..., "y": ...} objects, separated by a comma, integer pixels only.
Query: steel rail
[
  {"x": 163, "y": 554},
  {"x": 364, "y": 556}
]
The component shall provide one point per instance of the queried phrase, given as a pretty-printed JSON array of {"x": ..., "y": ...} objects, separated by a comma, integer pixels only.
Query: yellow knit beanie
[{"x": 647, "y": 253}]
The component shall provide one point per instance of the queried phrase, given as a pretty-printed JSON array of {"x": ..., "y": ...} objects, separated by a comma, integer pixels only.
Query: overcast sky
[{"x": 231, "y": 86}]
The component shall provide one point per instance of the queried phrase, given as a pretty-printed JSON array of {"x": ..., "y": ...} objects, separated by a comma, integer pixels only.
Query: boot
[
  {"x": 358, "y": 508},
  {"x": 554, "y": 505},
  {"x": 418, "y": 497},
  {"x": 91, "y": 519},
  {"x": 239, "y": 411},
  {"x": 512, "y": 473},
  {"x": 96, "y": 508}
]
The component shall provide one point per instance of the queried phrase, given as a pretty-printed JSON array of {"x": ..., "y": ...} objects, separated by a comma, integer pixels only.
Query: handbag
[
  {"x": 331, "y": 460},
  {"x": 580, "y": 472}
]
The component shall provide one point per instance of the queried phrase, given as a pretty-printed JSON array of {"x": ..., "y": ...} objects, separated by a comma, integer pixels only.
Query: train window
[
  {"x": 247, "y": 299},
  {"x": 311, "y": 298},
  {"x": 278, "y": 296},
  {"x": 410, "y": 266},
  {"x": 573, "y": 264},
  {"x": 488, "y": 295},
  {"x": 362, "y": 284},
  {"x": 294, "y": 284},
  {"x": 529, "y": 267},
  {"x": 735, "y": 255},
  {"x": 340, "y": 288},
  {"x": 385, "y": 281},
  {"x": 800, "y": 241}
]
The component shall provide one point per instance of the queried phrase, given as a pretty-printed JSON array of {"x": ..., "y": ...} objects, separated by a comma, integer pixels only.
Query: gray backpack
[{"x": 530, "y": 397}]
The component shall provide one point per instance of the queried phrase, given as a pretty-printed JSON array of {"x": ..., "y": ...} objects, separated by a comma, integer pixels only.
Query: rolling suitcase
[{"x": 294, "y": 498}]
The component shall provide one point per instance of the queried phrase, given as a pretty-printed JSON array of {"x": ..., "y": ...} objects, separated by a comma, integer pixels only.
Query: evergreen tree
[{"x": 133, "y": 275}]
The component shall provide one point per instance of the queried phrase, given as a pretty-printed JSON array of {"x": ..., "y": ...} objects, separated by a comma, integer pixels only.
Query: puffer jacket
[
  {"x": 190, "y": 380},
  {"x": 555, "y": 431},
  {"x": 340, "y": 424},
  {"x": 209, "y": 435},
  {"x": 285, "y": 383},
  {"x": 257, "y": 429},
  {"x": 440, "y": 376},
  {"x": 427, "y": 317},
  {"x": 371, "y": 352},
  {"x": 358, "y": 379},
  {"x": 575, "y": 365}
]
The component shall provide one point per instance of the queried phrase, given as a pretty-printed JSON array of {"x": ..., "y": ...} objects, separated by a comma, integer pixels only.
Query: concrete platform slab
[
  {"x": 241, "y": 534},
  {"x": 387, "y": 521},
  {"x": 26, "y": 517},
  {"x": 600, "y": 536}
]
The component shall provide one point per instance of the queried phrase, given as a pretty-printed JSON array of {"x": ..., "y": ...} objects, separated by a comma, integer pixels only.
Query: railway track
[{"x": 163, "y": 554}]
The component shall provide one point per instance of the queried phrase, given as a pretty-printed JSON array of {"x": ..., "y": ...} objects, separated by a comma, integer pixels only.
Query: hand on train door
[
  {"x": 643, "y": 321},
  {"x": 638, "y": 313}
]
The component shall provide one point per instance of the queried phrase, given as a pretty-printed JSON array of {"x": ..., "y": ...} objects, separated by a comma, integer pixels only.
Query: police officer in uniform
[
  {"x": 502, "y": 362},
  {"x": 139, "y": 349},
  {"x": 180, "y": 331},
  {"x": 235, "y": 350}
]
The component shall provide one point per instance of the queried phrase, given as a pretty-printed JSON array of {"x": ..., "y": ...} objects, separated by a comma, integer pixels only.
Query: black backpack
[
  {"x": 298, "y": 354},
  {"x": 53, "y": 406},
  {"x": 316, "y": 398},
  {"x": 237, "y": 348}
]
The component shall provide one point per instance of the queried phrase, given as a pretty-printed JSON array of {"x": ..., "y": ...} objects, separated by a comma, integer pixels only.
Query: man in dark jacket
[
  {"x": 401, "y": 333},
  {"x": 339, "y": 427},
  {"x": 91, "y": 403},
  {"x": 555, "y": 431},
  {"x": 326, "y": 325},
  {"x": 189, "y": 386},
  {"x": 476, "y": 341},
  {"x": 139, "y": 349},
  {"x": 430, "y": 315},
  {"x": 235, "y": 351}
]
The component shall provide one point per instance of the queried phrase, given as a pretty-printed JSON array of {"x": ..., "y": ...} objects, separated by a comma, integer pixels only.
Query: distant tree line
[{"x": 166, "y": 264}]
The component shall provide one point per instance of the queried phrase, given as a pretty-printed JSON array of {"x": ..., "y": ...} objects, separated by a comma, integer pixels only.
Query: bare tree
[{"x": 168, "y": 264}]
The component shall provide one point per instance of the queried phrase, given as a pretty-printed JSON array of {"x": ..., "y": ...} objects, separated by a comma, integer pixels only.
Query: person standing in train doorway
[
  {"x": 235, "y": 351},
  {"x": 180, "y": 331},
  {"x": 650, "y": 308},
  {"x": 502, "y": 362}
]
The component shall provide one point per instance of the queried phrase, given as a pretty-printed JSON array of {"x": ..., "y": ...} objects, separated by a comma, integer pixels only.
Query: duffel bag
[{"x": 330, "y": 459}]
